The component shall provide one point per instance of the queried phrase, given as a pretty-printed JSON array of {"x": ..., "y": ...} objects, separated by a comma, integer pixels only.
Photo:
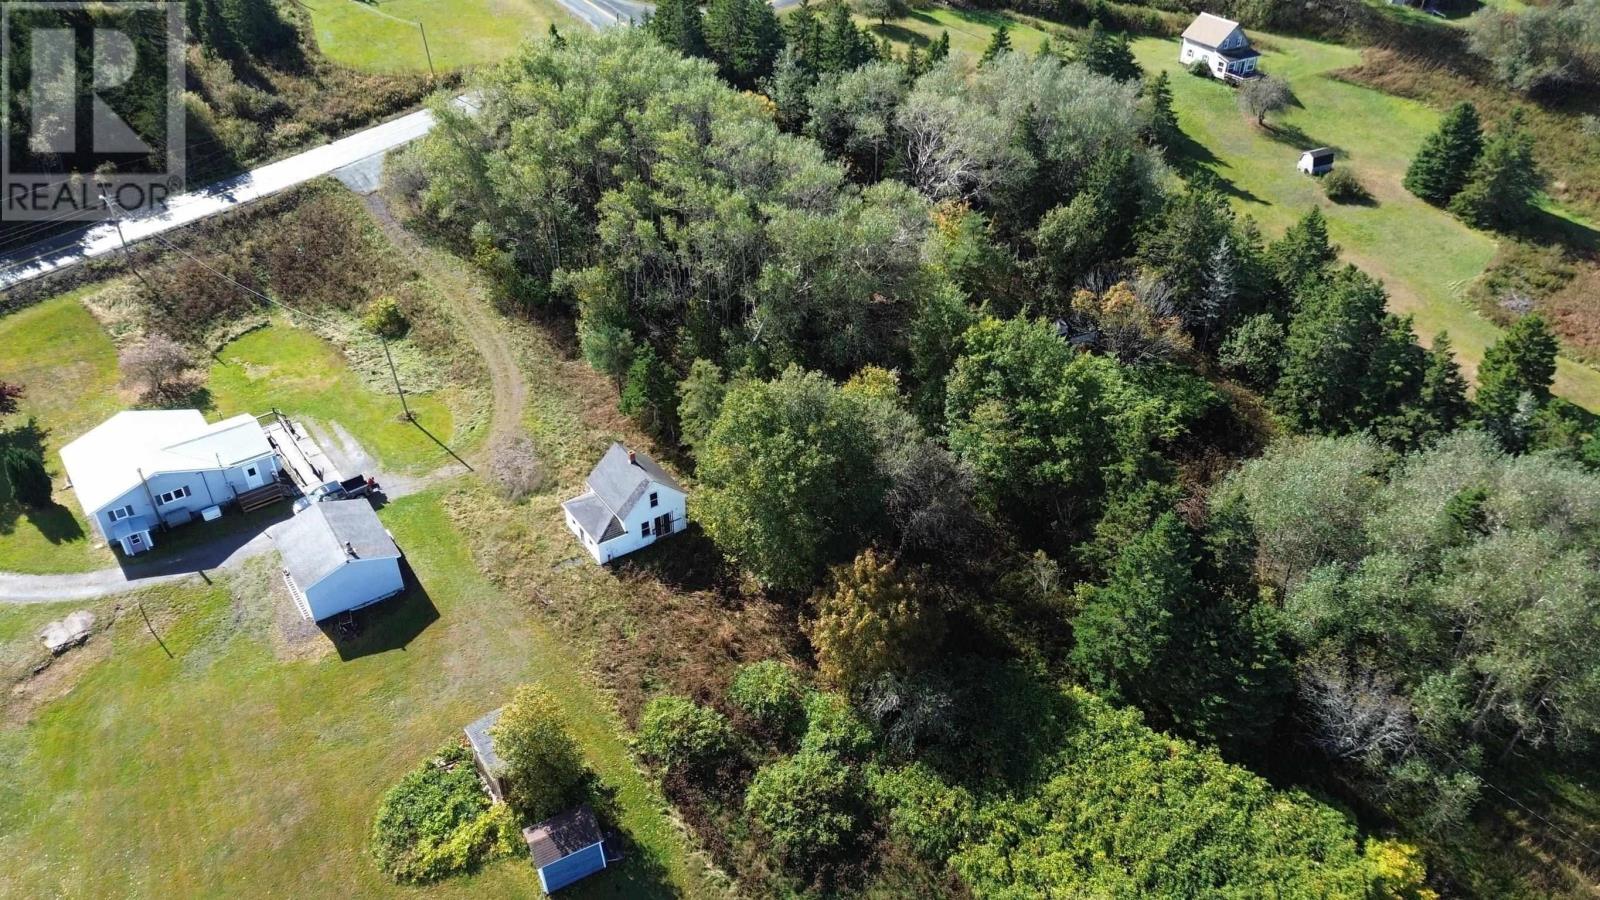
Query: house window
[
  {"x": 654, "y": 499},
  {"x": 176, "y": 494},
  {"x": 121, "y": 512},
  {"x": 645, "y": 529}
]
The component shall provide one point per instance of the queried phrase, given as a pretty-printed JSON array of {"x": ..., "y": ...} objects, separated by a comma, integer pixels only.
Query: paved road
[{"x": 91, "y": 241}]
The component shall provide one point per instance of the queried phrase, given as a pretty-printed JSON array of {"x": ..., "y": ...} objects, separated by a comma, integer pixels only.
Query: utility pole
[
  {"x": 431, "y": 73},
  {"x": 396, "y": 376},
  {"x": 127, "y": 255}
]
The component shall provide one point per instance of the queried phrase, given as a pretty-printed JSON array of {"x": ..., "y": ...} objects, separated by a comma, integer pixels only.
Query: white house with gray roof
[
  {"x": 142, "y": 469},
  {"x": 1222, "y": 45},
  {"x": 338, "y": 557},
  {"x": 631, "y": 502}
]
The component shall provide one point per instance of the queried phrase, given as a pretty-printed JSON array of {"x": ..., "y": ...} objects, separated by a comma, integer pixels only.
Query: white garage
[{"x": 337, "y": 557}]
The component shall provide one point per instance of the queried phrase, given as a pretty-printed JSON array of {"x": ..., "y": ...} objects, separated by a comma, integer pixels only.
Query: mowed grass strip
[
  {"x": 383, "y": 37},
  {"x": 970, "y": 29},
  {"x": 1425, "y": 256},
  {"x": 232, "y": 769},
  {"x": 67, "y": 364}
]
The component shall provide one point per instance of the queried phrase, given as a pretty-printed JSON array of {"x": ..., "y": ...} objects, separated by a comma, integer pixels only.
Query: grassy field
[
  {"x": 243, "y": 766},
  {"x": 970, "y": 29},
  {"x": 293, "y": 370},
  {"x": 68, "y": 365},
  {"x": 383, "y": 36},
  {"x": 1426, "y": 257}
]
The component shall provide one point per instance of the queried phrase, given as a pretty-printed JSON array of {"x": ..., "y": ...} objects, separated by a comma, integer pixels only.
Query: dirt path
[{"x": 475, "y": 311}]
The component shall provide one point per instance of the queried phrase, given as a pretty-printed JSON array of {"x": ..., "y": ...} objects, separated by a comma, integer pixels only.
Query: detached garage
[{"x": 338, "y": 557}]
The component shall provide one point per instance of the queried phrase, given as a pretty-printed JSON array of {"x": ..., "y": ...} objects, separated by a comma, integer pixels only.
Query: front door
[
  {"x": 252, "y": 475},
  {"x": 663, "y": 524}
]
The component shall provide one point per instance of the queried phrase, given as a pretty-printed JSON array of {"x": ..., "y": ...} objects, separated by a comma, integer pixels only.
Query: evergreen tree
[
  {"x": 1446, "y": 158},
  {"x": 744, "y": 38},
  {"x": 999, "y": 42},
  {"x": 1505, "y": 181},
  {"x": 915, "y": 62},
  {"x": 1331, "y": 342},
  {"x": 1163, "y": 128},
  {"x": 700, "y": 396},
  {"x": 649, "y": 395},
  {"x": 1046, "y": 49},
  {"x": 679, "y": 25},
  {"x": 844, "y": 46},
  {"x": 1303, "y": 253},
  {"x": 939, "y": 49},
  {"x": 1108, "y": 54},
  {"x": 236, "y": 28},
  {"x": 23, "y": 468},
  {"x": 556, "y": 40},
  {"x": 1514, "y": 379},
  {"x": 803, "y": 34},
  {"x": 1442, "y": 402},
  {"x": 788, "y": 87}
]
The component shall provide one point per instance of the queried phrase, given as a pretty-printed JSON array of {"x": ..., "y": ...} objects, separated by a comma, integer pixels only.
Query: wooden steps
[{"x": 266, "y": 495}]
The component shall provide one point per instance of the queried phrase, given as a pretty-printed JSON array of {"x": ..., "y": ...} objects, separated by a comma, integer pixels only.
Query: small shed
[
  {"x": 337, "y": 557},
  {"x": 566, "y": 848},
  {"x": 1316, "y": 162},
  {"x": 488, "y": 762}
]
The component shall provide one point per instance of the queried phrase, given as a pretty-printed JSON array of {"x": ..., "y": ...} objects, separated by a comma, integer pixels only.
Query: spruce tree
[
  {"x": 743, "y": 37},
  {"x": 1108, "y": 54},
  {"x": 1163, "y": 128},
  {"x": 1504, "y": 183},
  {"x": 999, "y": 42},
  {"x": 23, "y": 468},
  {"x": 844, "y": 46},
  {"x": 940, "y": 49},
  {"x": 1304, "y": 252},
  {"x": 1441, "y": 167},
  {"x": 678, "y": 24},
  {"x": 649, "y": 395},
  {"x": 1514, "y": 379},
  {"x": 802, "y": 31},
  {"x": 1442, "y": 402},
  {"x": 1328, "y": 353}
]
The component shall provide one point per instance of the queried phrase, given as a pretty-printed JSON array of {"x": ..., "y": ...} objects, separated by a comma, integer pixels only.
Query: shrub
[
  {"x": 875, "y": 620},
  {"x": 156, "y": 366},
  {"x": 807, "y": 805},
  {"x": 771, "y": 694},
  {"x": 833, "y": 728},
  {"x": 383, "y": 318},
  {"x": 1342, "y": 186},
  {"x": 679, "y": 735},
  {"x": 1200, "y": 69},
  {"x": 438, "y": 820},
  {"x": 23, "y": 468},
  {"x": 543, "y": 768},
  {"x": 514, "y": 468},
  {"x": 932, "y": 817}
]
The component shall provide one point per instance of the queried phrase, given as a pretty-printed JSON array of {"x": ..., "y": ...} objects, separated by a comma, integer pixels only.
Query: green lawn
[
  {"x": 232, "y": 769},
  {"x": 383, "y": 36},
  {"x": 59, "y": 353},
  {"x": 293, "y": 370},
  {"x": 970, "y": 29},
  {"x": 1425, "y": 256}
]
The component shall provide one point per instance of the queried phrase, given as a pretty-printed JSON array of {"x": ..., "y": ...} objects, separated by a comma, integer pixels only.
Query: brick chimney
[{"x": 633, "y": 458}]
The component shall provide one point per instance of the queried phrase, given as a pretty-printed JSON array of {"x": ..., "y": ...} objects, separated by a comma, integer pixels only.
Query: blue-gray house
[{"x": 566, "y": 848}]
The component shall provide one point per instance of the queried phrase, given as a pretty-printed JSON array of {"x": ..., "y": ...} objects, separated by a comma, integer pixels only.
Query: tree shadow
[
  {"x": 902, "y": 34},
  {"x": 389, "y": 625},
  {"x": 686, "y": 562},
  {"x": 1550, "y": 229},
  {"x": 632, "y": 870},
  {"x": 1296, "y": 137}
]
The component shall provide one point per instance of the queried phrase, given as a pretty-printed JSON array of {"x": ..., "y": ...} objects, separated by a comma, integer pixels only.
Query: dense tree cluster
[
  {"x": 950, "y": 350},
  {"x": 1491, "y": 183},
  {"x": 1543, "y": 49}
]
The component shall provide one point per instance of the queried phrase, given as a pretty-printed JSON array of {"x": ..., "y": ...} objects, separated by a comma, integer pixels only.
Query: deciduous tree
[
  {"x": 543, "y": 766},
  {"x": 874, "y": 620}
]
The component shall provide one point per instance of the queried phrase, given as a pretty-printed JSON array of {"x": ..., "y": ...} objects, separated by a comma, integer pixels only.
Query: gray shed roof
[
  {"x": 483, "y": 742},
  {"x": 314, "y": 543},
  {"x": 1209, "y": 30},
  {"x": 620, "y": 482},
  {"x": 593, "y": 516},
  {"x": 559, "y": 837}
]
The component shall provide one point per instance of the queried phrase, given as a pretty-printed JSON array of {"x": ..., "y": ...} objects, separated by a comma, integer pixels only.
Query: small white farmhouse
[
  {"x": 142, "y": 469},
  {"x": 1316, "y": 162},
  {"x": 630, "y": 503},
  {"x": 337, "y": 557},
  {"x": 1223, "y": 46}
]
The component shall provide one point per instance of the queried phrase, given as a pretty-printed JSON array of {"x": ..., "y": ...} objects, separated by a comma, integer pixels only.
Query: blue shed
[{"x": 566, "y": 848}]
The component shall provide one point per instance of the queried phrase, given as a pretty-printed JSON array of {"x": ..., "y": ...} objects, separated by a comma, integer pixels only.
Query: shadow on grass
[
  {"x": 687, "y": 562},
  {"x": 631, "y": 870},
  {"x": 55, "y": 522},
  {"x": 1197, "y": 164},
  {"x": 902, "y": 34},
  {"x": 390, "y": 625},
  {"x": 1296, "y": 137},
  {"x": 1548, "y": 228}
]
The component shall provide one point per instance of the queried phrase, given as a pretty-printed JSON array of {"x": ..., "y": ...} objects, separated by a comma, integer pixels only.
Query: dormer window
[{"x": 655, "y": 500}]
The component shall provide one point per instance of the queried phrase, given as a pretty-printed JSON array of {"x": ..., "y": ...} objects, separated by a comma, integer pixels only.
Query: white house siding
[
  {"x": 669, "y": 502},
  {"x": 206, "y": 489},
  {"x": 354, "y": 584},
  {"x": 1218, "y": 63}
]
